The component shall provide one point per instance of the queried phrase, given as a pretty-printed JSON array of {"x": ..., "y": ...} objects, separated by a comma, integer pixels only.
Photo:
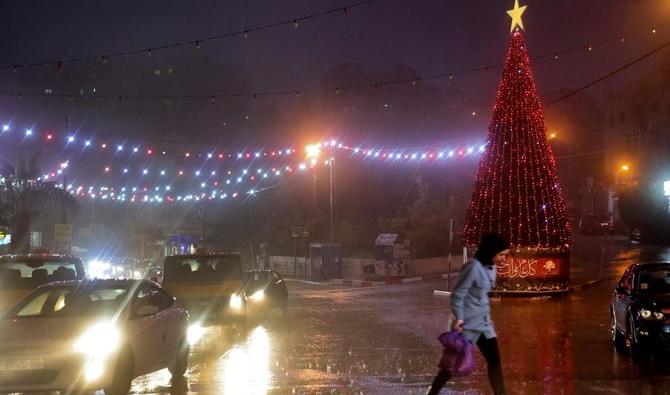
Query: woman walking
[{"x": 471, "y": 311}]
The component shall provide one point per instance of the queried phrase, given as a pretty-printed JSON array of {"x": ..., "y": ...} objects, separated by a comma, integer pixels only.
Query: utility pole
[{"x": 332, "y": 192}]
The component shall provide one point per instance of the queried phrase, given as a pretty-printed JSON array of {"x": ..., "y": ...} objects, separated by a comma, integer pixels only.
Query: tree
[
  {"x": 22, "y": 197},
  {"x": 426, "y": 225},
  {"x": 517, "y": 193}
]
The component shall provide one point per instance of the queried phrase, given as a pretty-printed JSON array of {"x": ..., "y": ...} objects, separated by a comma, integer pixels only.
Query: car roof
[
  {"x": 37, "y": 257},
  {"x": 652, "y": 265},
  {"x": 93, "y": 282}
]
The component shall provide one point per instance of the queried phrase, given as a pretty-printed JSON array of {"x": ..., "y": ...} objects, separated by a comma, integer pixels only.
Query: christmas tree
[{"x": 517, "y": 193}]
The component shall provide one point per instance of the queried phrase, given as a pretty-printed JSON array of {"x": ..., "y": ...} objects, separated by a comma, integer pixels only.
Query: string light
[
  {"x": 149, "y": 50},
  {"x": 589, "y": 46}
]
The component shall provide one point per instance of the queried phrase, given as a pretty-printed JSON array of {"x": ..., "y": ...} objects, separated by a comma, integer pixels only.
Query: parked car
[
  {"x": 91, "y": 334},
  {"x": 640, "y": 308},
  {"x": 265, "y": 290},
  {"x": 596, "y": 225},
  {"x": 20, "y": 274}
]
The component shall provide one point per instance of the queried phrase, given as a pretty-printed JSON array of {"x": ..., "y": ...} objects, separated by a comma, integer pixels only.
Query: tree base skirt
[{"x": 532, "y": 270}]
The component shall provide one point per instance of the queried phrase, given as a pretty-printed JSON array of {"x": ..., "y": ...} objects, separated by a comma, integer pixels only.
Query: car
[
  {"x": 22, "y": 273},
  {"x": 91, "y": 334},
  {"x": 264, "y": 291},
  {"x": 208, "y": 285},
  {"x": 640, "y": 308},
  {"x": 597, "y": 225}
]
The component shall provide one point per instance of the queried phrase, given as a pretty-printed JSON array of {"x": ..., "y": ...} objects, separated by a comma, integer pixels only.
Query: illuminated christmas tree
[{"x": 517, "y": 193}]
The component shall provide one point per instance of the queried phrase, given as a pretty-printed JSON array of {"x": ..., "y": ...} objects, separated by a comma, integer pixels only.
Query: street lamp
[{"x": 313, "y": 152}]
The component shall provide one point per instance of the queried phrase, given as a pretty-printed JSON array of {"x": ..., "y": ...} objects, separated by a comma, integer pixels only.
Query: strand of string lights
[
  {"x": 587, "y": 48},
  {"x": 196, "y": 42}
]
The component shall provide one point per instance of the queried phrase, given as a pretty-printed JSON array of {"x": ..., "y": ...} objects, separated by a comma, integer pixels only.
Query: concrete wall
[{"x": 354, "y": 268}]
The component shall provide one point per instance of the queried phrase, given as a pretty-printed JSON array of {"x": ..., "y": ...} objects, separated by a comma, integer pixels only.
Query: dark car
[
  {"x": 597, "y": 225},
  {"x": 265, "y": 290},
  {"x": 640, "y": 308}
]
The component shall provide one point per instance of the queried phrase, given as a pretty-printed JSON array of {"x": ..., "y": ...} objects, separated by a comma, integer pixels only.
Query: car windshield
[
  {"x": 31, "y": 273},
  {"x": 73, "y": 300},
  {"x": 654, "y": 280},
  {"x": 256, "y": 281},
  {"x": 202, "y": 269}
]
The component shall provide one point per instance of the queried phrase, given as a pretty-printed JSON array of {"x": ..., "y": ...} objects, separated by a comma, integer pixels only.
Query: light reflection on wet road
[{"x": 381, "y": 340}]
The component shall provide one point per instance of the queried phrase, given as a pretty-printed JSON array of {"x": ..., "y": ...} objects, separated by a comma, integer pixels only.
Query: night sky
[{"x": 427, "y": 37}]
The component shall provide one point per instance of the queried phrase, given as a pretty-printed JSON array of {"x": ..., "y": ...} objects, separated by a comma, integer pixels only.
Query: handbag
[{"x": 457, "y": 355}]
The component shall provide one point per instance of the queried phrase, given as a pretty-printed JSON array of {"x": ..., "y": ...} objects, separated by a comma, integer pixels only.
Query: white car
[{"x": 91, "y": 334}]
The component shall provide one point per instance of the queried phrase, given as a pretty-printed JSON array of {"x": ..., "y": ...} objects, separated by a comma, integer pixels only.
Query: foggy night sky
[{"x": 430, "y": 36}]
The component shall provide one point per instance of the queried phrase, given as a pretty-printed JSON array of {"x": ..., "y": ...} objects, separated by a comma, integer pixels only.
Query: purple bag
[{"x": 457, "y": 356}]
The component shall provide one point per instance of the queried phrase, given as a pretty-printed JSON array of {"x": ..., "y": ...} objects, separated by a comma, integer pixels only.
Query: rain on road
[{"x": 382, "y": 340}]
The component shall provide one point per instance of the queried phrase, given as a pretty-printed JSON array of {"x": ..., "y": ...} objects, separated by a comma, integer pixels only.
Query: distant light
[
  {"x": 239, "y": 179},
  {"x": 107, "y": 169},
  {"x": 227, "y": 182},
  {"x": 413, "y": 156},
  {"x": 150, "y": 151},
  {"x": 209, "y": 156},
  {"x": 244, "y": 171},
  {"x": 188, "y": 154},
  {"x": 203, "y": 185},
  {"x": 239, "y": 155},
  {"x": 451, "y": 153},
  {"x": 145, "y": 171},
  {"x": 257, "y": 154},
  {"x": 64, "y": 165},
  {"x": 482, "y": 148},
  {"x": 103, "y": 145},
  {"x": 301, "y": 167},
  {"x": 356, "y": 150},
  {"x": 29, "y": 132},
  {"x": 398, "y": 156},
  {"x": 625, "y": 167},
  {"x": 423, "y": 156},
  {"x": 213, "y": 172},
  {"x": 135, "y": 149},
  {"x": 197, "y": 172},
  {"x": 313, "y": 151},
  {"x": 50, "y": 136},
  {"x": 5, "y": 127},
  {"x": 125, "y": 171},
  {"x": 119, "y": 148},
  {"x": 181, "y": 172},
  {"x": 167, "y": 188},
  {"x": 162, "y": 172}
]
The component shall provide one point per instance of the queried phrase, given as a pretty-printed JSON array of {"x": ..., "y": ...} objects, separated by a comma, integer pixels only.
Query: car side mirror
[
  {"x": 622, "y": 290},
  {"x": 146, "y": 310},
  {"x": 154, "y": 279}
]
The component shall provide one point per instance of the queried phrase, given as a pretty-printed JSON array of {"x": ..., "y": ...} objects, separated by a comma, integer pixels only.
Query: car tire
[
  {"x": 123, "y": 374},
  {"x": 631, "y": 344},
  {"x": 617, "y": 337},
  {"x": 180, "y": 363}
]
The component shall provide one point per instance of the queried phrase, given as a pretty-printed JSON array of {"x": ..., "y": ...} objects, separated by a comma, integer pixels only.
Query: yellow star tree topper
[{"x": 516, "y": 13}]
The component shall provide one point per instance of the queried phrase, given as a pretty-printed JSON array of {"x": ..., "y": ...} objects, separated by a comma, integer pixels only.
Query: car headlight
[
  {"x": 235, "y": 301},
  {"x": 98, "y": 341},
  {"x": 258, "y": 296},
  {"x": 195, "y": 332},
  {"x": 659, "y": 316},
  {"x": 645, "y": 314}
]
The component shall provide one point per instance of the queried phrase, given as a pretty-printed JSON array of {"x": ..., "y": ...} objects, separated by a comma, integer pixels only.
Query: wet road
[{"x": 382, "y": 340}]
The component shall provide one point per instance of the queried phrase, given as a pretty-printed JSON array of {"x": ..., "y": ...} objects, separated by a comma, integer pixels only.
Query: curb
[
  {"x": 589, "y": 284},
  {"x": 365, "y": 283}
]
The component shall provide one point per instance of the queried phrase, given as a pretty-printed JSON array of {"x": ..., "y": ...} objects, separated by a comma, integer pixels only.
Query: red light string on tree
[{"x": 517, "y": 187}]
